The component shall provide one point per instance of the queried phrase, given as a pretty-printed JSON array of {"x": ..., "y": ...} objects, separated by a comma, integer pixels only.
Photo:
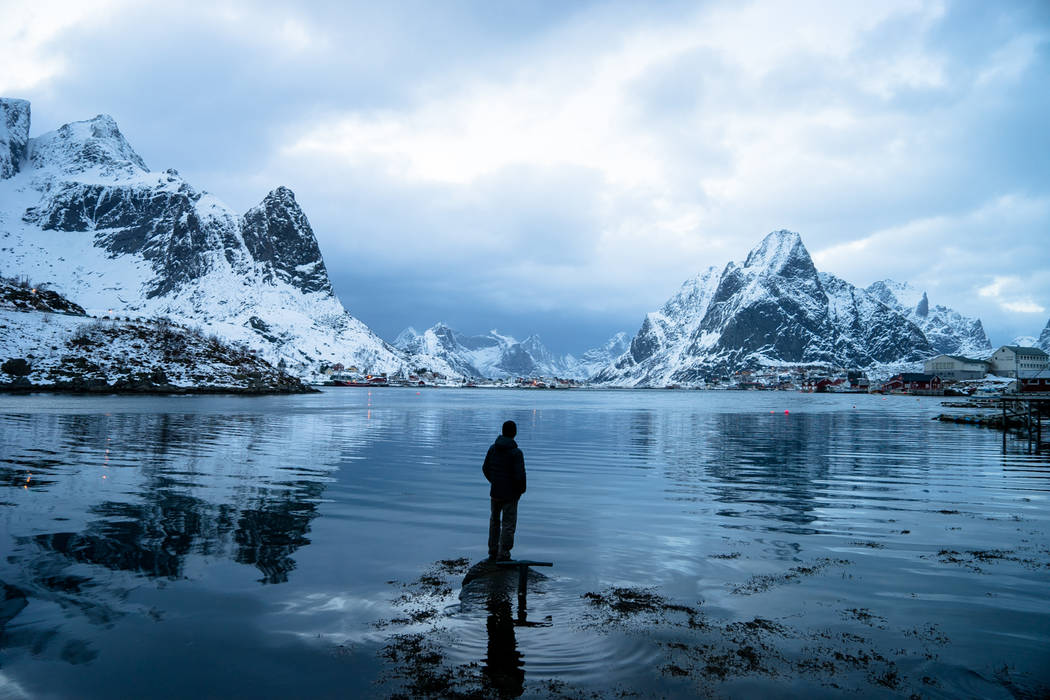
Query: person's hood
[{"x": 505, "y": 443}]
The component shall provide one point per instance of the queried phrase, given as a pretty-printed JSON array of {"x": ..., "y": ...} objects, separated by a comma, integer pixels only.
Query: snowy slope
[
  {"x": 14, "y": 136},
  {"x": 85, "y": 213},
  {"x": 948, "y": 331},
  {"x": 46, "y": 341},
  {"x": 497, "y": 356},
  {"x": 1044, "y": 338},
  {"x": 772, "y": 309}
]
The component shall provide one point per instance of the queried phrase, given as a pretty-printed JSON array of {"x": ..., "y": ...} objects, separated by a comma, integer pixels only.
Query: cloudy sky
[{"x": 560, "y": 167}]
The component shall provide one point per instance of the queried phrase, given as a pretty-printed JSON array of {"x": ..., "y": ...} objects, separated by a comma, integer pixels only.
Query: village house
[
  {"x": 1017, "y": 361},
  {"x": 914, "y": 383},
  {"x": 1038, "y": 383},
  {"x": 955, "y": 367}
]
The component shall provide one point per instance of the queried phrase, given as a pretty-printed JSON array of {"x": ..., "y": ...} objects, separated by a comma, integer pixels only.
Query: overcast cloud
[{"x": 562, "y": 168}]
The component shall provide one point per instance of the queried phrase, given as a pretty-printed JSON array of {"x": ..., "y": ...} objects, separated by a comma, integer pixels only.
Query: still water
[{"x": 779, "y": 544}]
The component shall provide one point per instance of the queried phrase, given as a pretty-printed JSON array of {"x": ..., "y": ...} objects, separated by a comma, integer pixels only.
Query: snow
[
  {"x": 776, "y": 309},
  {"x": 949, "y": 332},
  {"x": 216, "y": 283},
  {"x": 495, "y": 355},
  {"x": 73, "y": 349},
  {"x": 14, "y": 135}
]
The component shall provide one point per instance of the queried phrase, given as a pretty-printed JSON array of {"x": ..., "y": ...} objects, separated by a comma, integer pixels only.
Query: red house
[
  {"x": 915, "y": 383},
  {"x": 1037, "y": 385}
]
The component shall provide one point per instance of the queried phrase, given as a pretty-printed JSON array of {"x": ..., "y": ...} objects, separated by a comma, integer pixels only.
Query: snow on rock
[
  {"x": 14, "y": 135},
  {"x": 94, "y": 146},
  {"x": 594, "y": 360},
  {"x": 948, "y": 331},
  {"x": 52, "y": 345},
  {"x": 1044, "y": 339},
  {"x": 772, "y": 309},
  {"x": 497, "y": 356},
  {"x": 281, "y": 241},
  {"x": 86, "y": 214}
]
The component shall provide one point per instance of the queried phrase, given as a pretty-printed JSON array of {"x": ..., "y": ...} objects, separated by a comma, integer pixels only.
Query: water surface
[{"x": 280, "y": 546}]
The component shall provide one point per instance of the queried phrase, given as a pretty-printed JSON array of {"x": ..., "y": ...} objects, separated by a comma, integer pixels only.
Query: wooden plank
[{"x": 523, "y": 562}]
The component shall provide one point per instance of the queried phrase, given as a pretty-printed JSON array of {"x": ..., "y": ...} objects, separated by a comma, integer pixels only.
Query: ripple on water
[{"x": 218, "y": 511}]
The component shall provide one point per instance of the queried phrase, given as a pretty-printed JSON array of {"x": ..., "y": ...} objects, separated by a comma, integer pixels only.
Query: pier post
[
  {"x": 1028, "y": 421},
  {"x": 1003, "y": 402},
  {"x": 522, "y": 565}
]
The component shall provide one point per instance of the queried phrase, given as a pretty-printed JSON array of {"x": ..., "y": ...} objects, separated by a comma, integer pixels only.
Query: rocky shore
[{"x": 48, "y": 343}]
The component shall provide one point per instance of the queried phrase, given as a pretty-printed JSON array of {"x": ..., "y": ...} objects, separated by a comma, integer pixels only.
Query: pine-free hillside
[
  {"x": 776, "y": 309},
  {"x": 80, "y": 207},
  {"x": 48, "y": 343}
]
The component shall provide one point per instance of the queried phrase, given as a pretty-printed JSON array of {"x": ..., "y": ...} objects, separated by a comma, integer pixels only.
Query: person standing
[{"x": 505, "y": 470}]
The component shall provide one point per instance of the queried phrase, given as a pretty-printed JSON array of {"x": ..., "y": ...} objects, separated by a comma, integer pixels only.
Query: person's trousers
[{"x": 502, "y": 523}]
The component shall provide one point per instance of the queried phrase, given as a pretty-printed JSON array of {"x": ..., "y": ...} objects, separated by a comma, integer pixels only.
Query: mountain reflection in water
[{"x": 246, "y": 546}]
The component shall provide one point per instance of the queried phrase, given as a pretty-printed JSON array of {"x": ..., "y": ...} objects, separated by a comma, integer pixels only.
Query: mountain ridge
[
  {"x": 775, "y": 308},
  {"x": 498, "y": 356},
  {"x": 85, "y": 211}
]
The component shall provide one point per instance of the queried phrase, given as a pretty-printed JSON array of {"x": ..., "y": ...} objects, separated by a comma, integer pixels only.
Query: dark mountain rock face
[
  {"x": 278, "y": 235},
  {"x": 775, "y": 308},
  {"x": 870, "y": 330},
  {"x": 173, "y": 250},
  {"x": 161, "y": 223},
  {"x": 947, "y": 331},
  {"x": 179, "y": 230},
  {"x": 14, "y": 135}
]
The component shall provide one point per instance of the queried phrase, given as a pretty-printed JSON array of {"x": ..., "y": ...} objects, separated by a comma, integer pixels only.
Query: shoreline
[{"x": 171, "y": 390}]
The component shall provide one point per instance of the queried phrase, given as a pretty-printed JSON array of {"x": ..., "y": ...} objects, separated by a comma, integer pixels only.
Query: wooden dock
[{"x": 1026, "y": 412}]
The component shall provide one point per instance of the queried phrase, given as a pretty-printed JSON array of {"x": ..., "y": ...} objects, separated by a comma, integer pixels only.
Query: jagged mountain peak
[
  {"x": 153, "y": 244},
  {"x": 922, "y": 309},
  {"x": 948, "y": 331},
  {"x": 775, "y": 309},
  {"x": 279, "y": 236},
  {"x": 497, "y": 355},
  {"x": 896, "y": 294},
  {"x": 405, "y": 337},
  {"x": 92, "y": 144},
  {"x": 777, "y": 251}
]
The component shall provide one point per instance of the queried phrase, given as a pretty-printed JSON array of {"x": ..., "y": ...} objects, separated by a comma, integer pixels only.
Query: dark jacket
[{"x": 505, "y": 469}]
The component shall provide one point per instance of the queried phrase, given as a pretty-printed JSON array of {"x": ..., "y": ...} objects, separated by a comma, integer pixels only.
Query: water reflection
[
  {"x": 210, "y": 523},
  {"x": 143, "y": 495},
  {"x": 503, "y": 665}
]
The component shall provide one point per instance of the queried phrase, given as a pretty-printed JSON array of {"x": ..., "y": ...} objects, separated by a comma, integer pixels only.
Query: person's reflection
[{"x": 504, "y": 666}]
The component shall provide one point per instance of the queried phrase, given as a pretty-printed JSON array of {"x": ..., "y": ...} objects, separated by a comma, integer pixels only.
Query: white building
[
  {"x": 955, "y": 367},
  {"x": 1017, "y": 361}
]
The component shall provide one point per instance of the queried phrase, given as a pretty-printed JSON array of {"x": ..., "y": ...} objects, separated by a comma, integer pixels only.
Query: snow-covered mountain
[
  {"x": 1025, "y": 341},
  {"x": 772, "y": 309},
  {"x": 1044, "y": 338},
  {"x": 497, "y": 356},
  {"x": 596, "y": 359},
  {"x": 948, "y": 331},
  {"x": 49, "y": 342},
  {"x": 80, "y": 210}
]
